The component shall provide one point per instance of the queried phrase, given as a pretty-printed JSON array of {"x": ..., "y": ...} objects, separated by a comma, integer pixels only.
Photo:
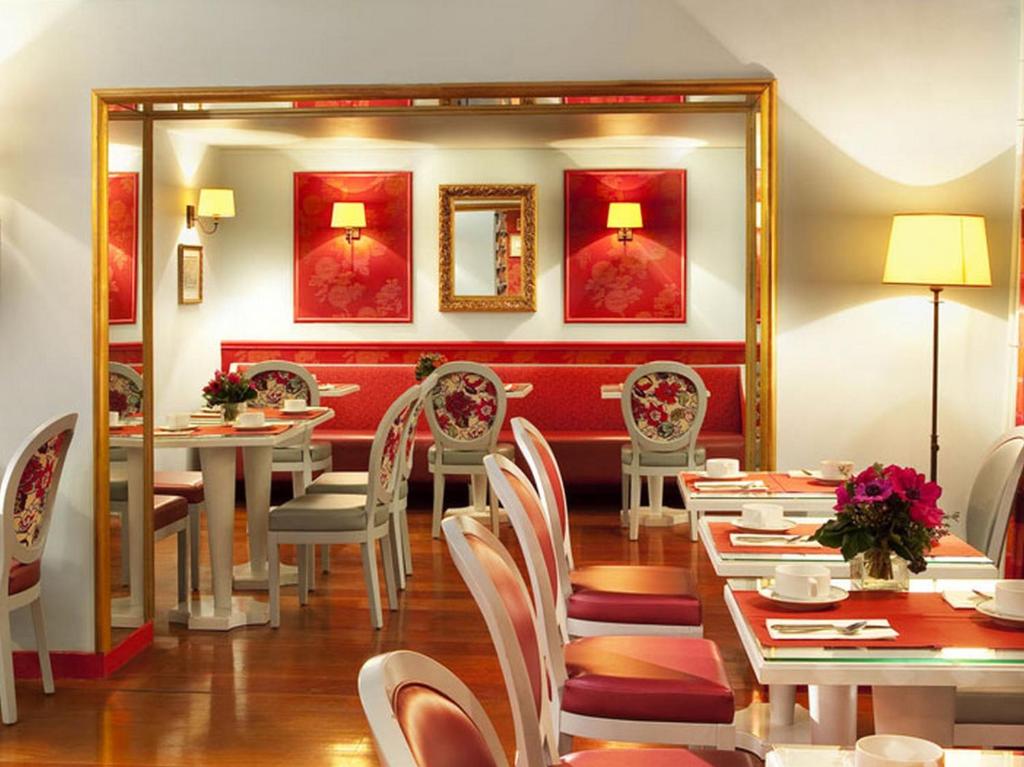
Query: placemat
[
  {"x": 204, "y": 430},
  {"x": 305, "y": 415}
]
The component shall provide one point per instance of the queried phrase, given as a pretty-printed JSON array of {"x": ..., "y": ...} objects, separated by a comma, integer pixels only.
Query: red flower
[
  {"x": 459, "y": 405},
  {"x": 668, "y": 391},
  {"x": 656, "y": 414},
  {"x": 118, "y": 401},
  {"x": 234, "y": 378},
  {"x": 485, "y": 409}
]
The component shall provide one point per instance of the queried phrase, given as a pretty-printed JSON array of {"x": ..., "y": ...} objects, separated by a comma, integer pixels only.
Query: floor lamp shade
[{"x": 938, "y": 250}]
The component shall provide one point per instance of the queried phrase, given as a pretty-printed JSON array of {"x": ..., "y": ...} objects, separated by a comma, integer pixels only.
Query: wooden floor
[{"x": 258, "y": 696}]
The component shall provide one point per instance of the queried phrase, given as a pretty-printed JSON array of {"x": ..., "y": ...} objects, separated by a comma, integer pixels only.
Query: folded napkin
[
  {"x": 772, "y": 539},
  {"x": 801, "y": 474},
  {"x": 962, "y": 599},
  {"x": 815, "y": 628},
  {"x": 734, "y": 484}
]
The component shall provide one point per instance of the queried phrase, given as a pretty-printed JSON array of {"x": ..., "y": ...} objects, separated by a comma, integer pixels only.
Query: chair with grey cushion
[
  {"x": 663, "y": 405},
  {"x": 332, "y": 518}
]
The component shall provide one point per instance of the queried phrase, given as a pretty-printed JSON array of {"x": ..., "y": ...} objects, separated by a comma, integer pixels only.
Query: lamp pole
[{"x": 936, "y": 290}]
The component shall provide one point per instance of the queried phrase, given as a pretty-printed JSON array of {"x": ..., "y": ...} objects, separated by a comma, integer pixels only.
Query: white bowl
[{"x": 897, "y": 751}]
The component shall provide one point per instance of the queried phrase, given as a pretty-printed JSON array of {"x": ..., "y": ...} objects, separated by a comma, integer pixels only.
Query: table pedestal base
[
  {"x": 179, "y": 614},
  {"x": 245, "y": 580},
  {"x": 244, "y": 612},
  {"x": 923, "y": 712},
  {"x": 757, "y": 733},
  {"x": 125, "y": 613},
  {"x": 833, "y": 714}
]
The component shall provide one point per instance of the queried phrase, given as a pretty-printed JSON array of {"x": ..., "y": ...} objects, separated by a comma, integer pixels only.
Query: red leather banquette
[{"x": 585, "y": 431}]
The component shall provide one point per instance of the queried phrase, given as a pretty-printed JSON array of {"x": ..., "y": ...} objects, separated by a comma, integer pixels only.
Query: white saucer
[
  {"x": 989, "y": 609},
  {"x": 726, "y": 477},
  {"x": 835, "y": 596},
  {"x": 179, "y": 430},
  {"x": 785, "y": 526}
]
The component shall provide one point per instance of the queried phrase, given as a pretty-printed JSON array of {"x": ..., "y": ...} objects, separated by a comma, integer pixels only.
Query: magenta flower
[
  {"x": 842, "y": 498},
  {"x": 910, "y": 485},
  {"x": 871, "y": 487}
]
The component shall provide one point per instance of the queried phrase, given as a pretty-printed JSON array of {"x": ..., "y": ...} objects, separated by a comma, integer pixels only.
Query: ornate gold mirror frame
[
  {"x": 756, "y": 99},
  {"x": 449, "y": 199}
]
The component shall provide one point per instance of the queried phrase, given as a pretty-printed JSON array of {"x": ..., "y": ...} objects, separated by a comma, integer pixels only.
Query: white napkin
[
  {"x": 864, "y": 634},
  {"x": 801, "y": 474},
  {"x": 733, "y": 484},
  {"x": 765, "y": 539},
  {"x": 960, "y": 599}
]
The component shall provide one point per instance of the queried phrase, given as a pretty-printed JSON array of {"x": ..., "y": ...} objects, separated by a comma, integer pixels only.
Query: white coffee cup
[
  {"x": 294, "y": 405},
  {"x": 761, "y": 515},
  {"x": 721, "y": 467},
  {"x": 1010, "y": 597},
  {"x": 802, "y": 581},
  {"x": 833, "y": 469},
  {"x": 178, "y": 420},
  {"x": 897, "y": 751},
  {"x": 115, "y": 418},
  {"x": 252, "y": 419}
]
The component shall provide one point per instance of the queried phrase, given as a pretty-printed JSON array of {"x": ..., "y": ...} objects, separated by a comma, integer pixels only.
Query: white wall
[{"x": 885, "y": 106}]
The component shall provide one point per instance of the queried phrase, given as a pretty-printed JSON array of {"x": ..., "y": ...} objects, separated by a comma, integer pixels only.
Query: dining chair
[
  {"x": 171, "y": 517},
  {"x": 599, "y": 600},
  {"x": 635, "y": 689},
  {"x": 990, "y": 503},
  {"x": 663, "y": 406},
  {"x": 329, "y": 518},
  {"x": 27, "y": 495},
  {"x": 465, "y": 410}
]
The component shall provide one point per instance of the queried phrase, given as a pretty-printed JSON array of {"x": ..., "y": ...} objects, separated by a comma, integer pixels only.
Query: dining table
[
  {"x": 912, "y": 648},
  {"x": 736, "y": 551},
  {"x": 217, "y": 445},
  {"x": 837, "y": 756}
]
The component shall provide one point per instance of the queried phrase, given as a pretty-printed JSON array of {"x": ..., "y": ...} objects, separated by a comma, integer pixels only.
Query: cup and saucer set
[{"x": 803, "y": 586}]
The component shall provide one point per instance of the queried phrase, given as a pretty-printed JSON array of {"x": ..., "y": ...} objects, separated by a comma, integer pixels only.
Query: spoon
[{"x": 849, "y": 629}]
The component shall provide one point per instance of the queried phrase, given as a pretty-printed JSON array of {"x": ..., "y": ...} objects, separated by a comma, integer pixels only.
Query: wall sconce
[
  {"x": 350, "y": 216},
  {"x": 213, "y": 203},
  {"x": 625, "y": 216}
]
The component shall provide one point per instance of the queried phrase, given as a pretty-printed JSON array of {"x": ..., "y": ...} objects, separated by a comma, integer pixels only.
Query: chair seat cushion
[
  {"x": 168, "y": 509},
  {"x": 318, "y": 449},
  {"x": 659, "y": 757},
  {"x": 348, "y": 483},
  {"x": 187, "y": 484},
  {"x": 674, "y": 458},
  {"x": 647, "y": 678},
  {"x": 652, "y": 594},
  {"x": 22, "y": 576},
  {"x": 990, "y": 706},
  {"x": 326, "y": 512},
  {"x": 470, "y": 457}
]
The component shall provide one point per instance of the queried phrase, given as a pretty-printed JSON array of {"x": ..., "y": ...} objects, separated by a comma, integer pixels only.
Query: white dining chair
[
  {"x": 663, "y": 406},
  {"x": 27, "y": 496}
]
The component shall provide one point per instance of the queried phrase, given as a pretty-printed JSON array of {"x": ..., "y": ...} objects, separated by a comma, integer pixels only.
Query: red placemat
[
  {"x": 948, "y": 546},
  {"x": 306, "y": 415},
  {"x": 922, "y": 620},
  {"x": 206, "y": 431},
  {"x": 767, "y": 477},
  {"x": 803, "y": 484}
]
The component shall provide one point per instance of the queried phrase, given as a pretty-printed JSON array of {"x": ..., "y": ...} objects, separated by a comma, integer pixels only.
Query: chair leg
[
  {"x": 183, "y": 565},
  {"x": 495, "y": 510},
  {"x": 325, "y": 558},
  {"x": 194, "y": 512},
  {"x": 403, "y": 523},
  {"x": 387, "y": 554},
  {"x": 8, "y": 704},
  {"x": 395, "y": 540},
  {"x": 42, "y": 647},
  {"x": 274, "y": 582},
  {"x": 125, "y": 544},
  {"x": 656, "y": 490},
  {"x": 302, "y": 554},
  {"x": 624, "y": 508},
  {"x": 372, "y": 583},
  {"x": 435, "y": 527},
  {"x": 298, "y": 484},
  {"x": 635, "y": 482},
  {"x": 694, "y": 517}
]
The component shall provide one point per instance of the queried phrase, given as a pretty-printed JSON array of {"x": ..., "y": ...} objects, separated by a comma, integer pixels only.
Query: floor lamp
[{"x": 937, "y": 250}]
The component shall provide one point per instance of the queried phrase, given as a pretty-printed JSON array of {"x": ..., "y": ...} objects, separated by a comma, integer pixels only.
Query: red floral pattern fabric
[
  {"x": 124, "y": 395},
  {"x": 664, "y": 405},
  {"x": 273, "y": 387},
  {"x": 389, "y": 456},
  {"x": 122, "y": 246},
  {"x": 465, "y": 405},
  {"x": 34, "y": 488}
]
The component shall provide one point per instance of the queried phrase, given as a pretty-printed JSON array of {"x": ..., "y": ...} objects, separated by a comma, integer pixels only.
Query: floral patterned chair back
[
  {"x": 466, "y": 407},
  {"x": 30, "y": 487},
  {"x": 426, "y": 386},
  {"x": 663, "y": 405},
  {"x": 388, "y": 452},
  {"x": 278, "y": 380},
  {"x": 125, "y": 389}
]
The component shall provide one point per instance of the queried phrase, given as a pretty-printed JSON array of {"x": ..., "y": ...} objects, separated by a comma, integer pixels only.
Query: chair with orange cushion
[
  {"x": 27, "y": 495},
  {"x": 636, "y": 689},
  {"x": 601, "y": 600}
]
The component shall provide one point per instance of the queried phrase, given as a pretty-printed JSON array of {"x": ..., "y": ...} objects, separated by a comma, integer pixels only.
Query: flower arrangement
[
  {"x": 229, "y": 390},
  {"x": 885, "y": 511},
  {"x": 428, "y": 363}
]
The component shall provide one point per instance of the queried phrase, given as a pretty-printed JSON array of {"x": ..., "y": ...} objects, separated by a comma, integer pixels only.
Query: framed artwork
[
  {"x": 353, "y": 103},
  {"x": 122, "y": 246},
  {"x": 363, "y": 278},
  {"x": 635, "y": 275},
  {"x": 190, "y": 274}
]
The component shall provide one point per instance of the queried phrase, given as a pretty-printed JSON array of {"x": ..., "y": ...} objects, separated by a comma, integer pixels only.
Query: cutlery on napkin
[
  {"x": 961, "y": 599},
  {"x": 795, "y": 628},
  {"x": 761, "y": 539},
  {"x": 739, "y": 484}
]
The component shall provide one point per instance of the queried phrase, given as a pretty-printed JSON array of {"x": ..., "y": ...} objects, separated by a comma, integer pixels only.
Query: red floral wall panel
[
  {"x": 643, "y": 280},
  {"x": 624, "y": 99},
  {"x": 353, "y": 103},
  {"x": 122, "y": 245},
  {"x": 369, "y": 280}
]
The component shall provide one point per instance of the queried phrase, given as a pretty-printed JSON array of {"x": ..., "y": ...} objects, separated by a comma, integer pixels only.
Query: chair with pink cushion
[
  {"x": 636, "y": 689},
  {"x": 27, "y": 495},
  {"x": 601, "y": 600}
]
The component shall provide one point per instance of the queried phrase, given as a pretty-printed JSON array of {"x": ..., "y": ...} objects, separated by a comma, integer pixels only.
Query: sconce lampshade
[
  {"x": 216, "y": 203},
  {"x": 348, "y": 215},
  {"x": 625, "y": 215},
  {"x": 938, "y": 250}
]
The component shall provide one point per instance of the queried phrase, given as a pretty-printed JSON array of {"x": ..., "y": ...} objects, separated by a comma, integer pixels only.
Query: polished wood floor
[{"x": 258, "y": 696}]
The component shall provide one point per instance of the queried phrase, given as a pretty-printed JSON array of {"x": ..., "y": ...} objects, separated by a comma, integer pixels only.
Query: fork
[{"x": 849, "y": 629}]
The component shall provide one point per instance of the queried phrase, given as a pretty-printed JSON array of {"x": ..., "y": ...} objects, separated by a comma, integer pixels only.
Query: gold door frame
[{"x": 756, "y": 98}]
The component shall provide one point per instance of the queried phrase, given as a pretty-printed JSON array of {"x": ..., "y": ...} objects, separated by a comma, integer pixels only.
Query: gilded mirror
[{"x": 487, "y": 247}]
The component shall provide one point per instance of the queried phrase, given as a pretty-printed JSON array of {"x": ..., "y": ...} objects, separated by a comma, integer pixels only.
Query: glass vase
[
  {"x": 232, "y": 409},
  {"x": 879, "y": 570}
]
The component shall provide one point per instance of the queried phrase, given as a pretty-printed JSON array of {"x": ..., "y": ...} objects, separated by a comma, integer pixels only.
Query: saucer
[
  {"x": 988, "y": 608},
  {"x": 296, "y": 412},
  {"x": 726, "y": 477},
  {"x": 785, "y": 526},
  {"x": 826, "y": 482},
  {"x": 179, "y": 430},
  {"x": 835, "y": 596}
]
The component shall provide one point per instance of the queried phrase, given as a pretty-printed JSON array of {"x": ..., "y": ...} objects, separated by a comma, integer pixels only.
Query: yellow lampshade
[
  {"x": 216, "y": 203},
  {"x": 625, "y": 215},
  {"x": 937, "y": 249},
  {"x": 348, "y": 215}
]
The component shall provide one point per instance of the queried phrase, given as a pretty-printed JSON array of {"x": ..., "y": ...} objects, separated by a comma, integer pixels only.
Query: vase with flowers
[
  {"x": 428, "y": 363},
  {"x": 887, "y": 520},
  {"x": 229, "y": 391}
]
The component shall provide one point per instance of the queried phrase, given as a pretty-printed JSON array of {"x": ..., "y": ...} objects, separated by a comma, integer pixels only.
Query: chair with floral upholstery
[
  {"x": 27, "y": 495},
  {"x": 663, "y": 405},
  {"x": 465, "y": 410}
]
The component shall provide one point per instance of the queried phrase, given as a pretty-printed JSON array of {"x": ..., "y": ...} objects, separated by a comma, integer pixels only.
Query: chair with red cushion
[
  {"x": 187, "y": 485},
  {"x": 637, "y": 689},
  {"x": 602, "y": 600},
  {"x": 171, "y": 517},
  {"x": 27, "y": 495}
]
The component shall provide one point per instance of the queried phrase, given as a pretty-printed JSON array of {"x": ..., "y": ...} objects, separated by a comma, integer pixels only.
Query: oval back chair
[{"x": 992, "y": 494}]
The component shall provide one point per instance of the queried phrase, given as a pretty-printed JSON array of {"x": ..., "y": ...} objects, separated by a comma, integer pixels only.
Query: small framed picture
[{"x": 190, "y": 274}]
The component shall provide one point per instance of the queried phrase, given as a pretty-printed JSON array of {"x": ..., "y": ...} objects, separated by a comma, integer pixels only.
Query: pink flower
[
  {"x": 842, "y": 498},
  {"x": 929, "y": 516},
  {"x": 234, "y": 378},
  {"x": 870, "y": 486},
  {"x": 910, "y": 485}
]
